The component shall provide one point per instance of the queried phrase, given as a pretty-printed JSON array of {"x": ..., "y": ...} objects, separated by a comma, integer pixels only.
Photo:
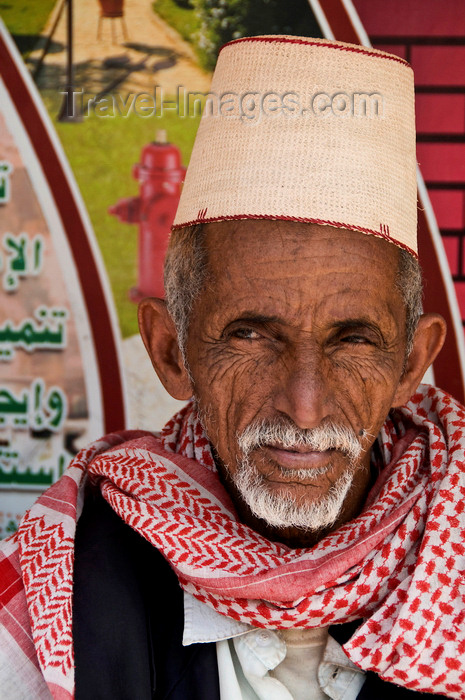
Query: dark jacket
[{"x": 129, "y": 619}]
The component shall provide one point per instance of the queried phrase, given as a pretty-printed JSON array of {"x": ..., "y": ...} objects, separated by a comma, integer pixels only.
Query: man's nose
[{"x": 303, "y": 392}]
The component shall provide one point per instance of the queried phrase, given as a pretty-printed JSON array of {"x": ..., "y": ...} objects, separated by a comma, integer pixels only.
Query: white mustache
[{"x": 281, "y": 433}]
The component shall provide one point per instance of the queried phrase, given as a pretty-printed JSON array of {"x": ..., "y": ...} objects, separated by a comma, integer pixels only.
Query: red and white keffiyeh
[{"x": 400, "y": 565}]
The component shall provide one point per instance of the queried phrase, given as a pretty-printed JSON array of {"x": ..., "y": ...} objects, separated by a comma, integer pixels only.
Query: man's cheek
[
  {"x": 365, "y": 381},
  {"x": 231, "y": 395},
  {"x": 229, "y": 367}
]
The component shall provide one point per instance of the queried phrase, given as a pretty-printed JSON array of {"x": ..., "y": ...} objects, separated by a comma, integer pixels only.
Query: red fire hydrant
[{"x": 160, "y": 174}]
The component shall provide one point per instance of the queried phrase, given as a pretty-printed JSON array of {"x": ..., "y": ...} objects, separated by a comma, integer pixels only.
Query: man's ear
[
  {"x": 161, "y": 342},
  {"x": 428, "y": 341}
]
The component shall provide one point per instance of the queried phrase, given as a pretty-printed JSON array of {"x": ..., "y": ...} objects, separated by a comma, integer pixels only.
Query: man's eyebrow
[
  {"x": 358, "y": 323},
  {"x": 251, "y": 317}
]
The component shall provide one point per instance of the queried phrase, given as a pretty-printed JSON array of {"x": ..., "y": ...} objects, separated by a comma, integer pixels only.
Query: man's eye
[
  {"x": 245, "y": 334},
  {"x": 356, "y": 339}
]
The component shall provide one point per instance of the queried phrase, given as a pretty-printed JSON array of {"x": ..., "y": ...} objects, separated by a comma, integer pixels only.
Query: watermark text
[{"x": 250, "y": 106}]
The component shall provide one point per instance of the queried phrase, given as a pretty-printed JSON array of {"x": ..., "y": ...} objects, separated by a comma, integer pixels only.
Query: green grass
[
  {"x": 183, "y": 19},
  {"x": 25, "y": 19},
  {"x": 101, "y": 152}
]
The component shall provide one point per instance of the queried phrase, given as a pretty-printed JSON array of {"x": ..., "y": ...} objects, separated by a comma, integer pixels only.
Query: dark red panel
[
  {"x": 339, "y": 21},
  {"x": 448, "y": 207},
  {"x": 440, "y": 113},
  {"x": 442, "y": 162},
  {"x": 438, "y": 65},
  {"x": 412, "y": 17},
  {"x": 451, "y": 246}
]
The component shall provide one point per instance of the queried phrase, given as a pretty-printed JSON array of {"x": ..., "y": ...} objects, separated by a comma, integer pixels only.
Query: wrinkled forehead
[
  {"x": 251, "y": 245},
  {"x": 261, "y": 264}
]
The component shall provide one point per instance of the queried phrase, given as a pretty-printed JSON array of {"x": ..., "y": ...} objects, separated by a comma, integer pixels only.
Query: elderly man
[{"x": 297, "y": 530}]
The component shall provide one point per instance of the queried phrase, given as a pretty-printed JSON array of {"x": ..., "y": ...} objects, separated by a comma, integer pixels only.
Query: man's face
[{"x": 299, "y": 327}]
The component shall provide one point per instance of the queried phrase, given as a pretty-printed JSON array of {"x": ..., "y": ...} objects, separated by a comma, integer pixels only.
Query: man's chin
[{"x": 290, "y": 505}]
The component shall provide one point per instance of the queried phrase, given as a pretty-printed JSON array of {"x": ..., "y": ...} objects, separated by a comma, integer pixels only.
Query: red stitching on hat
[
  {"x": 384, "y": 229},
  {"x": 336, "y": 224},
  {"x": 286, "y": 40}
]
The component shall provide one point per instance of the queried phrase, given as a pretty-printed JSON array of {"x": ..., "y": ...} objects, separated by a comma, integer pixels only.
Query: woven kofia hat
[{"x": 306, "y": 130}]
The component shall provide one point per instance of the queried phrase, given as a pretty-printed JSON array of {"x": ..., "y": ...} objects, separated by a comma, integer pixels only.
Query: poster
[{"x": 55, "y": 302}]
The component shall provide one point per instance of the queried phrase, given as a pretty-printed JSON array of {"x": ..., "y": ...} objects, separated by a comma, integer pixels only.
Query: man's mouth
[{"x": 298, "y": 456}]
